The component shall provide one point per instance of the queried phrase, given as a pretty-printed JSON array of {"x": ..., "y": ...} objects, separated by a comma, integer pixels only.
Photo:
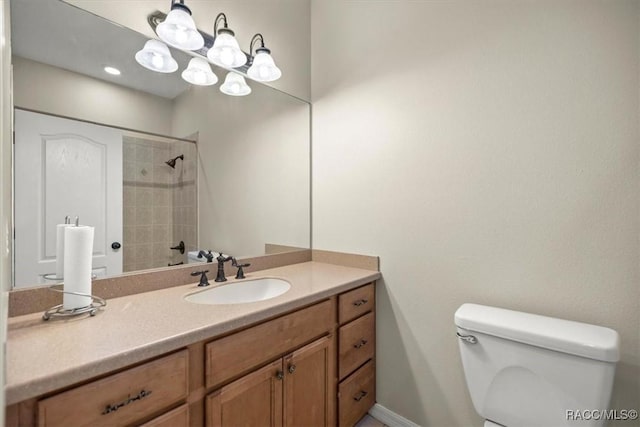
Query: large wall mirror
[{"x": 151, "y": 161}]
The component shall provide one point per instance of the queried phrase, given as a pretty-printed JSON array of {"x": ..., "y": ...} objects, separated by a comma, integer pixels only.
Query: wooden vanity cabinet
[
  {"x": 310, "y": 384},
  {"x": 175, "y": 418},
  {"x": 253, "y": 400},
  {"x": 230, "y": 357},
  {"x": 311, "y": 367},
  {"x": 296, "y": 390},
  {"x": 356, "y": 350},
  {"x": 157, "y": 388}
]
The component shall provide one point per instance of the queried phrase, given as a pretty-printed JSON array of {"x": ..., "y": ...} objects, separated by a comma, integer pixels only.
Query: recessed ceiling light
[{"x": 113, "y": 71}]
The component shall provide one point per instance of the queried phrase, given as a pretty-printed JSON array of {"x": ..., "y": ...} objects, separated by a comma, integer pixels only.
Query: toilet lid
[{"x": 488, "y": 423}]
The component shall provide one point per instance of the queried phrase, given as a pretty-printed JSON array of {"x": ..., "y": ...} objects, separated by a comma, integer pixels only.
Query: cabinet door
[
  {"x": 253, "y": 400},
  {"x": 179, "y": 417},
  {"x": 310, "y": 384}
]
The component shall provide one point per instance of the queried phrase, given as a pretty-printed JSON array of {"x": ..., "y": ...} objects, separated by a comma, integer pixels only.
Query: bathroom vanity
[{"x": 306, "y": 357}]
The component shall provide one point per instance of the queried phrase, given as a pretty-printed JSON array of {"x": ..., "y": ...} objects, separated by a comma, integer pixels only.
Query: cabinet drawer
[
  {"x": 357, "y": 344},
  {"x": 356, "y": 302},
  {"x": 122, "y": 398},
  {"x": 179, "y": 417},
  {"x": 233, "y": 355},
  {"x": 356, "y": 395}
]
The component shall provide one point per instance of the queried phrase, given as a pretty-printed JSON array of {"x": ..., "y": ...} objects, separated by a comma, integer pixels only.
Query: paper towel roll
[
  {"x": 78, "y": 254},
  {"x": 60, "y": 249}
]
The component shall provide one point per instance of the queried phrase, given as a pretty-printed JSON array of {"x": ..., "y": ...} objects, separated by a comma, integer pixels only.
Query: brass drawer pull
[
  {"x": 360, "y": 302},
  {"x": 113, "y": 408},
  {"x": 358, "y": 397},
  {"x": 360, "y": 344}
]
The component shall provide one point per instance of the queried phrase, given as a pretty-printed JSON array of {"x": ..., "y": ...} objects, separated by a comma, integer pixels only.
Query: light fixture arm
[
  {"x": 223, "y": 17},
  {"x": 179, "y": 4},
  {"x": 254, "y": 39},
  {"x": 262, "y": 48}
]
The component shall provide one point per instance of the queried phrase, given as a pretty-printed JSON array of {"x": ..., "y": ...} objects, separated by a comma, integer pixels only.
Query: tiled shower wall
[{"x": 152, "y": 224}]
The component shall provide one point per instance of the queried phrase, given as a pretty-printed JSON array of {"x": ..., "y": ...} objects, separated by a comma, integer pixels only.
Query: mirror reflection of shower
[
  {"x": 173, "y": 161},
  {"x": 160, "y": 207}
]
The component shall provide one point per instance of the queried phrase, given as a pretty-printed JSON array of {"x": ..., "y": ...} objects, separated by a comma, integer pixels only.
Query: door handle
[{"x": 115, "y": 246}]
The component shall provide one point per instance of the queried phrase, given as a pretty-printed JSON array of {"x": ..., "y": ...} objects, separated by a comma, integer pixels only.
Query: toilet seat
[{"x": 488, "y": 423}]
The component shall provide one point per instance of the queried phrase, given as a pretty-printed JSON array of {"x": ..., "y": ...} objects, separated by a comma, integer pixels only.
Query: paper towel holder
[
  {"x": 52, "y": 276},
  {"x": 60, "y": 311}
]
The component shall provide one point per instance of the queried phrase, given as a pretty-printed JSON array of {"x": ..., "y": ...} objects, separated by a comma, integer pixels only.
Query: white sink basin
[{"x": 241, "y": 292}]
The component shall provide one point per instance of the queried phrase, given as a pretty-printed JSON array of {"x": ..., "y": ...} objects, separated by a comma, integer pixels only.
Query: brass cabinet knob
[
  {"x": 279, "y": 375},
  {"x": 292, "y": 369}
]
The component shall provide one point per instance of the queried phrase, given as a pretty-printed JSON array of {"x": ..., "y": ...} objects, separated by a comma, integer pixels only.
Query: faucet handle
[
  {"x": 240, "y": 273},
  {"x": 208, "y": 256},
  {"x": 204, "y": 281}
]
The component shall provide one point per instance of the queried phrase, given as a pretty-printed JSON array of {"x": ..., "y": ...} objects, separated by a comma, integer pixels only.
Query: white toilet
[{"x": 525, "y": 370}]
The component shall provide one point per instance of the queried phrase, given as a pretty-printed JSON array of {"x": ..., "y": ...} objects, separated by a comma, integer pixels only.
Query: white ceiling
[{"x": 58, "y": 34}]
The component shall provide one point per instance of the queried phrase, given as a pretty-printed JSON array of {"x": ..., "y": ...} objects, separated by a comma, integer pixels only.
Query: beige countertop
[{"x": 46, "y": 356}]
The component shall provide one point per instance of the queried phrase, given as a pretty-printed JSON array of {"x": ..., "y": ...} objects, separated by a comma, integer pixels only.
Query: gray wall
[
  {"x": 253, "y": 168},
  {"x": 487, "y": 152},
  {"x": 53, "y": 90}
]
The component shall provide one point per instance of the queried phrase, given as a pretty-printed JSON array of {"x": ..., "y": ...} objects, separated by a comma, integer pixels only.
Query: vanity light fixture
[
  {"x": 178, "y": 29},
  {"x": 156, "y": 56},
  {"x": 225, "y": 50},
  {"x": 199, "y": 73},
  {"x": 112, "y": 70},
  {"x": 263, "y": 68},
  {"x": 235, "y": 85}
]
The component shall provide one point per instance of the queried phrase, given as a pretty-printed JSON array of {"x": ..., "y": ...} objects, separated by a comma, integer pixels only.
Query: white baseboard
[{"x": 389, "y": 417}]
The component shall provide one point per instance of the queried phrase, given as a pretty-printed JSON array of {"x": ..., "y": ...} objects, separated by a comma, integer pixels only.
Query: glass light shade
[
  {"x": 199, "y": 73},
  {"x": 263, "y": 68},
  {"x": 235, "y": 85},
  {"x": 156, "y": 56},
  {"x": 226, "y": 51},
  {"x": 179, "y": 30}
]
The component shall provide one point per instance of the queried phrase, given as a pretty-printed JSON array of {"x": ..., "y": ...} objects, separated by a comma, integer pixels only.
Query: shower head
[{"x": 172, "y": 162}]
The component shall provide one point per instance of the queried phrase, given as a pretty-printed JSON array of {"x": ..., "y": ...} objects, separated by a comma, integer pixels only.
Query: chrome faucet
[{"x": 221, "y": 260}]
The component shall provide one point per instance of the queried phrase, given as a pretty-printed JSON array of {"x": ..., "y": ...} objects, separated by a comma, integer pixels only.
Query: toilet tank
[{"x": 529, "y": 370}]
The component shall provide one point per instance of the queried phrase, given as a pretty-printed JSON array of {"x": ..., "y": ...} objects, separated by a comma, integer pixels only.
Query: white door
[{"x": 65, "y": 167}]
